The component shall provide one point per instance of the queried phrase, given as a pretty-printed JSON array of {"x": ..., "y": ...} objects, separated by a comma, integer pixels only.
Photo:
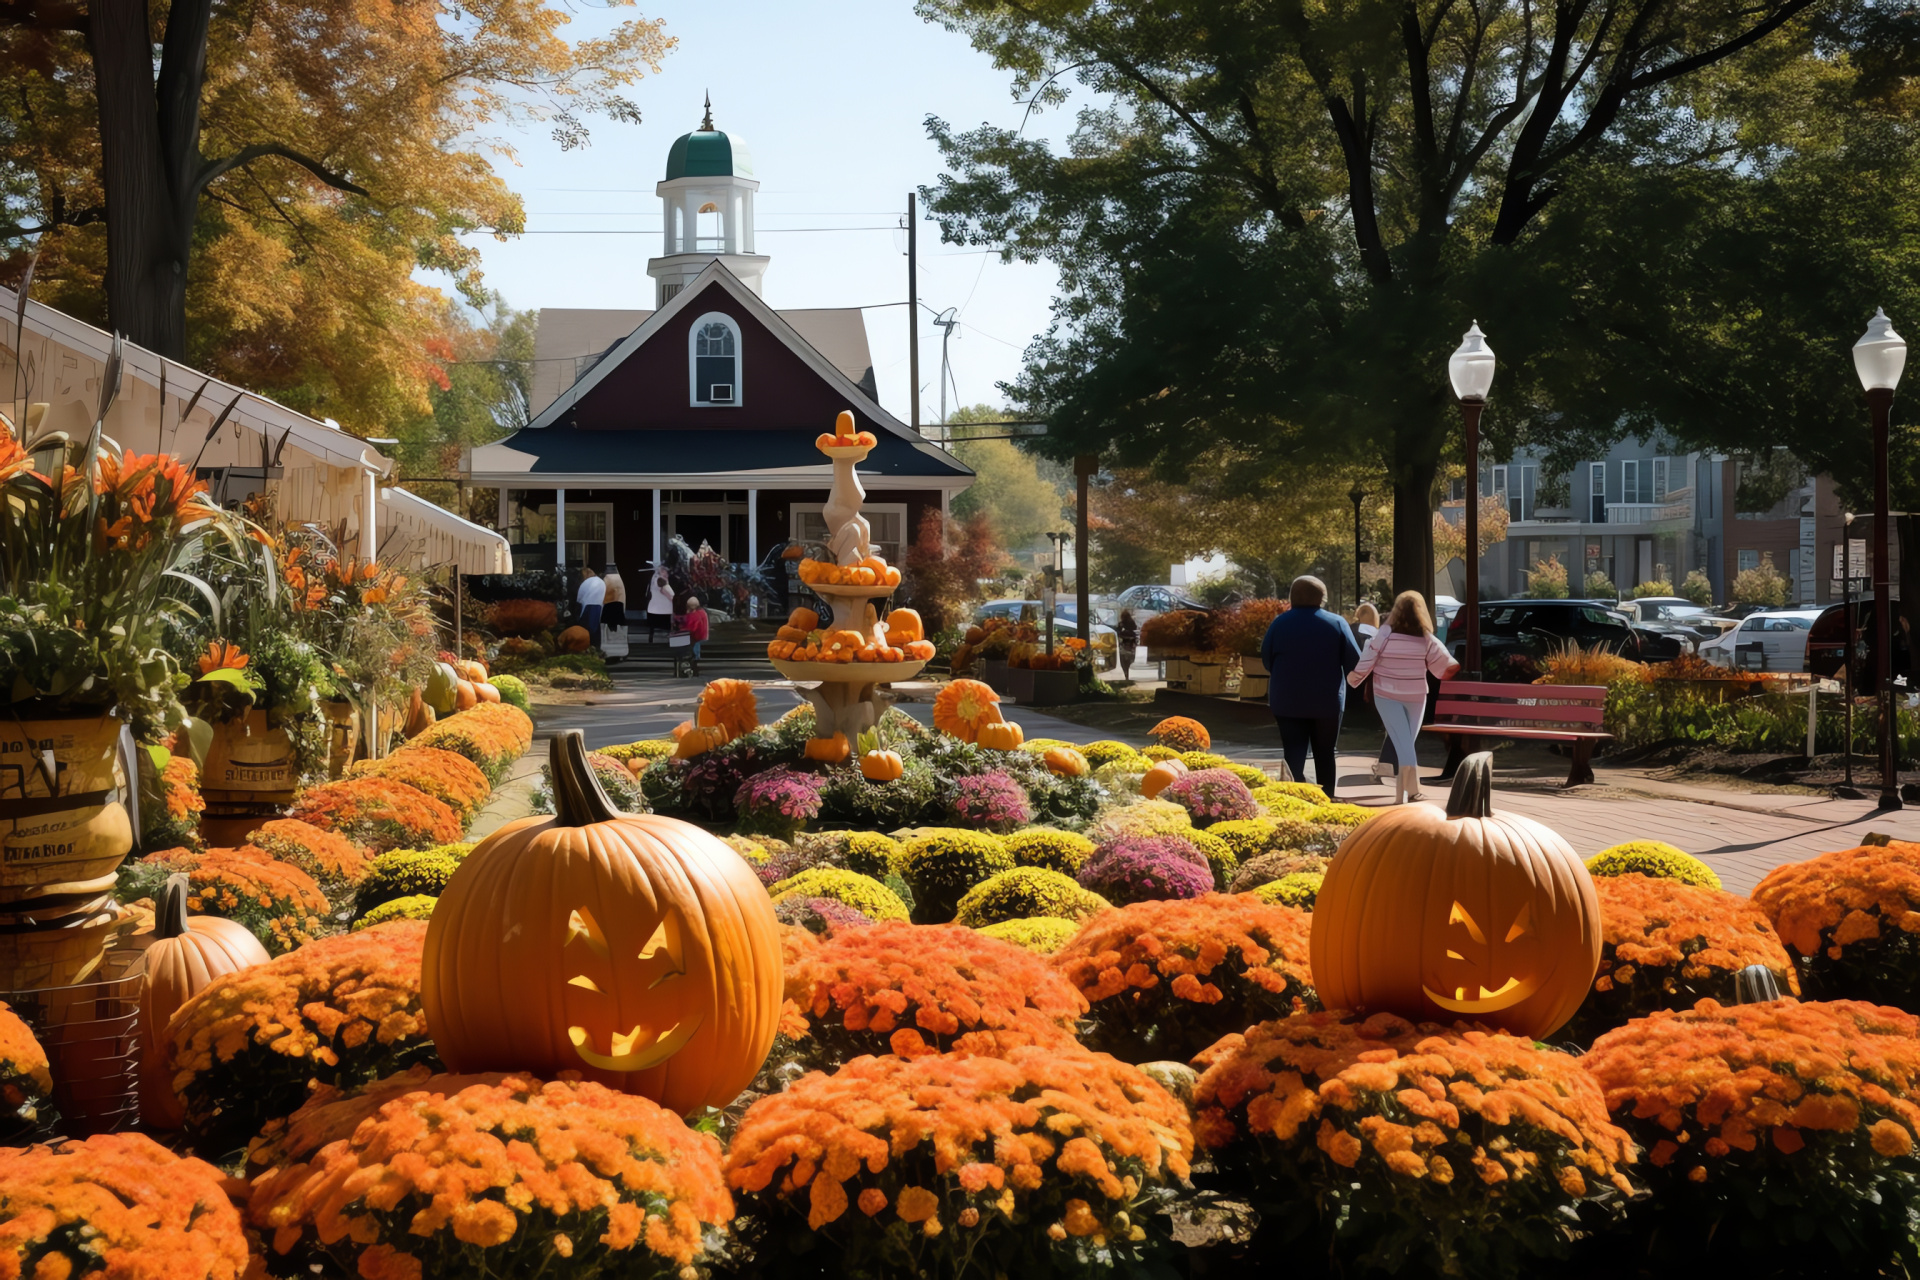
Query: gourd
[
  {"x": 637, "y": 950},
  {"x": 698, "y": 740},
  {"x": 904, "y": 627},
  {"x": 186, "y": 955}
]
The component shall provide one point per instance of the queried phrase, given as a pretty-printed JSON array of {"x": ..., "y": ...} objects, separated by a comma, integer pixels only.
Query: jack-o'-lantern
[
  {"x": 186, "y": 955},
  {"x": 1159, "y": 776},
  {"x": 637, "y": 950},
  {"x": 880, "y": 766},
  {"x": 1458, "y": 914}
]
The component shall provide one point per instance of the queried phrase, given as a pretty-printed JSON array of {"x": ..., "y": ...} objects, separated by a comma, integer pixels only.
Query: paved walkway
[{"x": 1741, "y": 834}]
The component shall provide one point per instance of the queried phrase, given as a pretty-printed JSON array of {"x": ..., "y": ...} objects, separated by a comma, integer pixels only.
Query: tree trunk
[
  {"x": 1413, "y": 481},
  {"x": 1906, "y": 531},
  {"x": 149, "y": 209}
]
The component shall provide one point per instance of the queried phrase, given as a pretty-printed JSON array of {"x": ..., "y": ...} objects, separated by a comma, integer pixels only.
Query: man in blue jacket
[{"x": 1308, "y": 653}]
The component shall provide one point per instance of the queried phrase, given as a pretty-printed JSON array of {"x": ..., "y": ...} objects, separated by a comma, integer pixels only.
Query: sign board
[{"x": 1856, "y": 557}]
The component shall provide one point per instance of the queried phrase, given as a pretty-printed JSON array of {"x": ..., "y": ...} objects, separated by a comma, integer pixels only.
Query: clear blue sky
[{"x": 830, "y": 99}]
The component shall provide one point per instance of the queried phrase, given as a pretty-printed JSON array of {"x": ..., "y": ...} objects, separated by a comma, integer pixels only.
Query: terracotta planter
[
  {"x": 343, "y": 735},
  {"x": 63, "y": 823},
  {"x": 250, "y": 761}
]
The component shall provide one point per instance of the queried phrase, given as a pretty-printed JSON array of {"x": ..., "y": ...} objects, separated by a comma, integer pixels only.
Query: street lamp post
[
  {"x": 1054, "y": 575},
  {"x": 1470, "y": 369},
  {"x": 1879, "y": 358},
  {"x": 1357, "y": 495}
]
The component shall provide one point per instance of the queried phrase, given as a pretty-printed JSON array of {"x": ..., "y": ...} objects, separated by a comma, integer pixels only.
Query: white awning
[{"x": 421, "y": 535}]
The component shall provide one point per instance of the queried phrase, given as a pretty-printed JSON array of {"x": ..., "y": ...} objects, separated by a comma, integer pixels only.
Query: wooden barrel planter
[
  {"x": 64, "y": 827},
  {"x": 37, "y": 953}
]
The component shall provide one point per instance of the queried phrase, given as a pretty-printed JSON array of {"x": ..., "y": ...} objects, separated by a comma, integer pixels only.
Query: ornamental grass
[
  {"x": 1042, "y": 935},
  {"x": 277, "y": 902},
  {"x": 1653, "y": 858},
  {"x": 1026, "y": 892},
  {"x": 1852, "y": 920},
  {"x": 1049, "y": 1161},
  {"x": 378, "y": 814},
  {"x": 1389, "y": 1145},
  {"x": 343, "y": 1011},
  {"x": 334, "y": 862},
  {"x": 1050, "y": 850},
  {"x": 1180, "y": 733},
  {"x": 1669, "y": 945},
  {"x": 1210, "y": 796},
  {"x": 941, "y": 863},
  {"x": 1779, "y": 1135},
  {"x": 1145, "y": 869},
  {"x": 492, "y": 735},
  {"x": 864, "y": 894},
  {"x": 26, "y": 1084},
  {"x": 915, "y": 989},
  {"x": 447, "y": 776},
  {"x": 118, "y": 1205},
  {"x": 489, "y": 1175},
  {"x": 1163, "y": 980}
]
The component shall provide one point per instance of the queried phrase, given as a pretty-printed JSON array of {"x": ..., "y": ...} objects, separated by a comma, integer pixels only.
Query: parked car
[
  {"x": 1772, "y": 641},
  {"x": 1827, "y": 647},
  {"x": 1534, "y": 627},
  {"x": 1676, "y": 611},
  {"x": 1105, "y": 640},
  {"x": 1145, "y": 601}
]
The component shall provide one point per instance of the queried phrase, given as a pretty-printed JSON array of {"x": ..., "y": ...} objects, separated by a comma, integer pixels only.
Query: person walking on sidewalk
[
  {"x": 1399, "y": 658},
  {"x": 1309, "y": 651},
  {"x": 696, "y": 630},
  {"x": 1128, "y": 635}
]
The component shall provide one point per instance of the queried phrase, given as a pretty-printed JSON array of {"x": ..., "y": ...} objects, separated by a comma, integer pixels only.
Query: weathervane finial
[{"x": 706, "y": 123}]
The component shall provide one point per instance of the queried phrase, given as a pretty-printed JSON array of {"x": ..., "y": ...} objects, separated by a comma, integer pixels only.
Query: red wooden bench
[{"x": 1534, "y": 712}]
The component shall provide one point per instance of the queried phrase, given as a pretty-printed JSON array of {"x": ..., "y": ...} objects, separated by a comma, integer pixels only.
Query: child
[{"x": 696, "y": 628}]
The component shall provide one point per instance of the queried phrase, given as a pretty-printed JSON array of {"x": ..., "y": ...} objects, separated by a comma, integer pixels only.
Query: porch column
[
  {"x": 560, "y": 529},
  {"x": 369, "y": 507},
  {"x": 753, "y": 541},
  {"x": 656, "y": 528}
]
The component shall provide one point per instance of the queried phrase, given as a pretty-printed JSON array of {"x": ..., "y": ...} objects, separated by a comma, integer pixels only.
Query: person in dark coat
[{"x": 1309, "y": 652}]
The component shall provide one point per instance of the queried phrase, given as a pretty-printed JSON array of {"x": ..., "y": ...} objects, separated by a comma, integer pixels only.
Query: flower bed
[
  {"x": 333, "y": 862},
  {"x": 490, "y": 1175},
  {"x": 1396, "y": 1145},
  {"x": 1852, "y": 920},
  {"x": 378, "y": 814},
  {"x": 279, "y": 903},
  {"x": 492, "y": 735},
  {"x": 343, "y": 1011},
  {"x": 1163, "y": 980},
  {"x": 447, "y": 776},
  {"x": 1049, "y": 1161}
]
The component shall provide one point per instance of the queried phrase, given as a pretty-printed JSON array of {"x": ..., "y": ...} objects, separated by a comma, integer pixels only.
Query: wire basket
[{"x": 91, "y": 1032}]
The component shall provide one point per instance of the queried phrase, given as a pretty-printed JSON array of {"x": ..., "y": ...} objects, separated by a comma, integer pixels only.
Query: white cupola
[{"x": 706, "y": 206}]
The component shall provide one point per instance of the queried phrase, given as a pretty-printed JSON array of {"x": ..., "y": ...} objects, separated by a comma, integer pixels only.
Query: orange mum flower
[
  {"x": 731, "y": 705},
  {"x": 25, "y": 1081},
  {"x": 1853, "y": 917},
  {"x": 221, "y": 656},
  {"x": 379, "y": 814},
  {"x": 447, "y": 776},
  {"x": 1179, "y": 733},
  {"x": 963, "y": 707}
]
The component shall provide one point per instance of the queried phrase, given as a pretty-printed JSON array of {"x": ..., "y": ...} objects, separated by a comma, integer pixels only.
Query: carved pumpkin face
[
  {"x": 637, "y": 950},
  {"x": 1459, "y": 914}
]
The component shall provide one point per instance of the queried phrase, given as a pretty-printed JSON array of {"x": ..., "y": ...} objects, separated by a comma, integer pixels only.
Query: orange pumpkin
[
  {"x": 419, "y": 716},
  {"x": 637, "y": 950},
  {"x": 699, "y": 740},
  {"x": 793, "y": 635},
  {"x": 880, "y": 766},
  {"x": 486, "y": 692},
  {"x": 904, "y": 626},
  {"x": 1459, "y": 913},
  {"x": 829, "y": 750},
  {"x": 804, "y": 620},
  {"x": 1001, "y": 735},
  {"x": 186, "y": 955},
  {"x": 575, "y": 640},
  {"x": 921, "y": 649},
  {"x": 465, "y": 696},
  {"x": 679, "y": 731},
  {"x": 963, "y": 707},
  {"x": 1065, "y": 762},
  {"x": 1159, "y": 776},
  {"x": 472, "y": 670}
]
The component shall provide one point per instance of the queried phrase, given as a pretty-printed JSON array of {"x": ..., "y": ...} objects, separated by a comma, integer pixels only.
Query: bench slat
[
  {"x": 1572, "y": 714},
  {"x": 1516, "y": 731},
  {"x": 1489, "y": 689}
]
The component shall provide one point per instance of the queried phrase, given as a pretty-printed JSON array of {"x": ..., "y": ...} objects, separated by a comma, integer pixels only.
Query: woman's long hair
[{"x": 1410, "y": 615}]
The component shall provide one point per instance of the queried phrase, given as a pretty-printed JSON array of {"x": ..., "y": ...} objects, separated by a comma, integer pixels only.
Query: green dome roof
[{"x": 708, "y": 153}]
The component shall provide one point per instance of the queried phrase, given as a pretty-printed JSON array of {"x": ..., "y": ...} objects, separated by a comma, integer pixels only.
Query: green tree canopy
[{"x": 1019, "y": 502}]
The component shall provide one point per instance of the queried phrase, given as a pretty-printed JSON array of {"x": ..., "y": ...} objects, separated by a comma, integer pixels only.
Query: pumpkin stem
[
  {"x": 1472, "y": 794},
  {"x": 170, "y": 912},
  {"x": 578, "y": 798}
]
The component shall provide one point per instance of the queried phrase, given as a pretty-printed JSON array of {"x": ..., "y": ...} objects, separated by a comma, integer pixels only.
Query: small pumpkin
[
  {"x": 575, "y": 640},
  {"x": 698, "y": 740},
  {"x": 804, "y": 620},
  {"x": 637, "y": 950},
  {"x": 1458, "y": 913},
  {"x": 186, "y": 955},
  {"x": 964, "y": 707},
  {"x": 419, "y": 716},
  {"x": 1001, "y": 735},
  {"x": 975, "y": 635},
  {"x": 1159, "y": 776},
  {"x": 880, "y": 766},
  {"x": 466, "y": 696},
  {"x": 829, "y": 750},
  {"x": 472, "y": 670},
  {"x": 486, "y": 692},
  {"x": 1065, "y": 762},
  {"x": 904, "y": 626}
]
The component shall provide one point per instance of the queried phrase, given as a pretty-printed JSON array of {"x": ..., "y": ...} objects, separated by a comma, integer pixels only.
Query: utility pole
[
  {"x": 946, "y": 320},
  {"x": 913, "y": 308},
  {"x": 1085, "y": 467}
]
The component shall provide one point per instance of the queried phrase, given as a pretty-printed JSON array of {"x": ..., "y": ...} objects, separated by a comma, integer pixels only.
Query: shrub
[
  {"x": 863, "y": 893},
  {"x": 1249, "y": 838},
  {"x": 1048, "y": 1162},
  {"x": 1210, "y": 796},
  {"x": 491, "y": 1175},
  {"x": 1122, "y": 777},
  {"x": 1280, "y": 806},
  {"x": 343, "y": 1011},
  {"x": 913, "y": 989},
  {"x": 493, "y": 735},
  {"x": 1217, "y": 853},
  {"x": 1178, "y": 631},
  {"x": 647, "y": 749},
  {"x": 1653, "y": 858},
  {"x": 277, "y": 902},
  {"x": 1779, "y": 1134},
  {"x": 1668, "y": 945},
  {"x": 819, "y": 915},
  {"x": 1166, "y": 979},
  {"x": 334, "y": 862},
  {"x": 117, "y": 1204},
  {"x": 1157, "y": 752},
  {"x": 26, "y": 1084},
  {"x": 1025, "y": 892},
  {"x": 513, "y": 692},
  {"x": 404, "y": 873},
  {"x": 1852, "y": 920},
  {"x": 452, "y": 779},
  {"x": 868, "y": 852},
  {"x": 1763, "y": 585},
  {"x": 1347, "y": 816},
  {"x": 941, "y": 863},
  {"x": 1296, "y": 889},
  {"x": 1179, "y": 733},
  {"x": 1043, "y": 935},
  {"x": 777, "y": 802},
  {"x": 1394, "y": 1146},
  {"x": 850, "y": 797},
  {"x": 1107, "y": 751},
  {"x": 522, "y": 617},
  {"x": 990, "y": 802},
  {"x": 1570, "y": 663},
  {"x": 1298, "y": 835},
  {"x": 1061, "y": 851},
  {"x": 1697, "y": 587},
  {"x": 418, "y": 906},
  {"x": 1141, "y": 818},
  {"x": 1547, "y": 580},
  {"x": 1211, "y": 760},
  {"x": 1144, "y": 868},
  {"x": 1307, "y": 791},
  {"x": 1269, "y": 867},
  {"x": 1242, "y": 628},
  {"x": 378, "y": 814}
]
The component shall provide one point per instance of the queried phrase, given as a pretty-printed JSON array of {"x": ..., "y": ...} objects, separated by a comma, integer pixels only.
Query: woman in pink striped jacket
[{"x": 1399, "y": 657}]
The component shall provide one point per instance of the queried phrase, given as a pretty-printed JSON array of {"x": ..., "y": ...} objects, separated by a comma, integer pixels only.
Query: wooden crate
[
  {"x": 1179, "y": 671},
  {"x": 1208, "y": 679}
]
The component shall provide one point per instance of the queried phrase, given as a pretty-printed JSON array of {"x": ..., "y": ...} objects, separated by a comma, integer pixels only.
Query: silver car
[{"x": 1772, "y": 641}]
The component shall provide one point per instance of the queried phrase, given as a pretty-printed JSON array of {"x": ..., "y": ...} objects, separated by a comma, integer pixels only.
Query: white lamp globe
[
  {"x": 1881, "y": 354},
  {"x": 1471, "y": 367}
]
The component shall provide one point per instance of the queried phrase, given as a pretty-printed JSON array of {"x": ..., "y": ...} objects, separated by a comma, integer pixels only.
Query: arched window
[{"x": 713, "y": 362}]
